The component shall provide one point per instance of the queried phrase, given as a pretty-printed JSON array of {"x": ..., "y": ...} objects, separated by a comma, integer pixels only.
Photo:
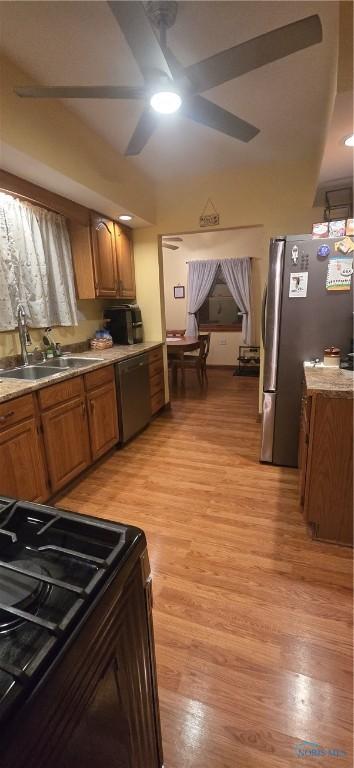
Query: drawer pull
[{"x": 7, "y": 415}]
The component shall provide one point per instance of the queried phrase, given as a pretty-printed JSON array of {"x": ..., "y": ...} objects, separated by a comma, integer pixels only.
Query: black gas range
[{"x": 54, "y": 565}]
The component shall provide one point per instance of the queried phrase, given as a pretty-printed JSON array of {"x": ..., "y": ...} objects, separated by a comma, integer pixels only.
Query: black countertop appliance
[
  {"x": 124, "y": 323},
  {"x": 77, "y": 664}
]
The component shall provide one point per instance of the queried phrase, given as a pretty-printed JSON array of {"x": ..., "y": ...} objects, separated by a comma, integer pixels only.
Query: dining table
[{"x": 177, "y": 346}]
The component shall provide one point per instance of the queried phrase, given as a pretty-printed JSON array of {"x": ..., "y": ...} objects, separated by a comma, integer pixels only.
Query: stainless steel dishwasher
[{"x": 133, "y": 393}]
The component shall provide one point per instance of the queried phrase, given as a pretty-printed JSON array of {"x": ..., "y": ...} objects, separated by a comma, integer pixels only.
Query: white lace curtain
[
  {"x": 237, "y": 273},
  {"x": 35, "y": 266},
  {"x": 200, "y": 279}
]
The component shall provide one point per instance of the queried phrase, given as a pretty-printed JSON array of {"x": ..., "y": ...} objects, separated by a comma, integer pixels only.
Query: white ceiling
[{"x": 68, "y": 43}]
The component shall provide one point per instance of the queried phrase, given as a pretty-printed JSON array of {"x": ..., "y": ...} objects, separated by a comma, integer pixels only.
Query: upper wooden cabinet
[
  {"x": 103, "y": 259},
  {"x": 104, "y": 256},
  {"x": 125, "y": 258}
]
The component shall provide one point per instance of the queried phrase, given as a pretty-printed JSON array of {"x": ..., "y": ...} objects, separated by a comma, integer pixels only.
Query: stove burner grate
[{"x": 22, "y": 593}]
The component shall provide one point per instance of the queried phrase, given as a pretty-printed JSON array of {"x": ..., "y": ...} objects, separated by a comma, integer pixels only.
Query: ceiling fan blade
[
  {"x": 170, "y": 247},
  {"x": 143, "y": 131},
  {"x": 140, "y": 37},
  {"x": 81, "y": 92},
  {"x": 200, "y": 110},
  {"x": 254, "y": 53},
  {"x": 173, "y": 239}
]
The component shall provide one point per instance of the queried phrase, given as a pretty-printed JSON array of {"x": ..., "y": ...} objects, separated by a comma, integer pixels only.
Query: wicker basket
[{"x": 101, "y": 343}]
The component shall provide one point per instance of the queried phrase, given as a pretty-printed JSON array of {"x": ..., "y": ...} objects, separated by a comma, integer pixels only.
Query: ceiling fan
[
  {"x": 167, "y": 242},
  {"x": 168, "y": 86}
]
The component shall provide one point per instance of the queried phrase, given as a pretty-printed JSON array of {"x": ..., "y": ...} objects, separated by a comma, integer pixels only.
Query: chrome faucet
[{"x": 23, "y": 333}]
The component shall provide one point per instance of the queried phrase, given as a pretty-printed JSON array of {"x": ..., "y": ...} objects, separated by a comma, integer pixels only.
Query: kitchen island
[{"x": 326, "y": 453}]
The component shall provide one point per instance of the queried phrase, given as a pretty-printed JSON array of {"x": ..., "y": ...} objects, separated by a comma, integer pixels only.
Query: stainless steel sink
[
  {"x": 30, "y": 372},
  {"x": 71, "y": 362}
]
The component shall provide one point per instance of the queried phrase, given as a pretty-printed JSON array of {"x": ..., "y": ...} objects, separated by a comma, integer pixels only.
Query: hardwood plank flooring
[{"x": 252, "y": 617}]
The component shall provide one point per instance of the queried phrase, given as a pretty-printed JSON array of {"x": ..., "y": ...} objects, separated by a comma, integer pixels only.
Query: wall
[{"x": 230, "y": 243}]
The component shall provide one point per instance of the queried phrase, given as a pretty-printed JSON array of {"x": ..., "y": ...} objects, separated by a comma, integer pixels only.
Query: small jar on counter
[{"x": 331, "y": 357}]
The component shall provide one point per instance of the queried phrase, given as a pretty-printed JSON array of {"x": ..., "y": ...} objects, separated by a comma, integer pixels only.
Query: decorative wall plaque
[{"x": 209, "y": 216}]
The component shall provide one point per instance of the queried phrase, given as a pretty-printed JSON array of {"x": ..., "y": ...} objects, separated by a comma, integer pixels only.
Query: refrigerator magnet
[
  {"x": 323, "y": 252},
  {"x": 339, "y": 273},
  {"x": 298, "y": 285},
  {"x": 294, "y": 254}
]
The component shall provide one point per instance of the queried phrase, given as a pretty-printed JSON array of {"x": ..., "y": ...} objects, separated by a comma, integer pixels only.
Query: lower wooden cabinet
[
  {"x": 103, "y": 419},
  {"x": 66, "y": 439},
  {"x": 326, "y": 466},
  {"x": 157, "y": 380},
  {"x": 47, "y": 439},
  {"x": 22, "y": 469}
]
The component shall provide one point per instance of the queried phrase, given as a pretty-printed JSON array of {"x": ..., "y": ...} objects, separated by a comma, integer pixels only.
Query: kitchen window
[{"x": 219, "y": 311}]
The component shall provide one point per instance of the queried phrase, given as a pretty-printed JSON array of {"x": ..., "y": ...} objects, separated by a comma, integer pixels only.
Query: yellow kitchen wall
[{"x": 90, "y": 315}]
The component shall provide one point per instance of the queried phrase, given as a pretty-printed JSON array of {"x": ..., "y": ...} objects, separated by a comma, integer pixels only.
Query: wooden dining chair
[
  {"x": 206, "y": 339},
  {"x": 175, "y": 334},
  {"x": 196, "y": 362}
]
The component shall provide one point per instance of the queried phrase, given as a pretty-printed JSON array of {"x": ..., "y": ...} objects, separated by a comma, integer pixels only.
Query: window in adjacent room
[{"x": 219, "y": 311}]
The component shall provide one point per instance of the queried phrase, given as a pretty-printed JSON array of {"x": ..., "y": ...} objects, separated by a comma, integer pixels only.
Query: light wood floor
[{"x": 252, "y": 618}]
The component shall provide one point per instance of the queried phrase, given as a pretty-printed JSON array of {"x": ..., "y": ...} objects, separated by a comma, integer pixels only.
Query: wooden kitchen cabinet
[
  {"x": 157, "y": 380},
  {"x": 104, "y": 256},
  {"x": 66, "y": 439},
  {"x": 103, "y": 259},
  {"x": 22, "y": 467},
  {"x": 326, "y": 466},
  {"x": 125, "y": 262},
  {"x": 103, "y": 419},
  {"x": 304, "y": 438}
]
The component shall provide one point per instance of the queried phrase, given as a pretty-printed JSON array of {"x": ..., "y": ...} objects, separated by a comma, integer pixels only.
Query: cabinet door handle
[
  {"x": 7, "y": 415},
  {"x": 101, "y": 224},
  {"x": 83, "y": 409},
  {"x": 92, "y": 405}
]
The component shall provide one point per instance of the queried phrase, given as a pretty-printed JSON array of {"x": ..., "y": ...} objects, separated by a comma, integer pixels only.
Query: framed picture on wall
[{"x": 178, "y": 292}]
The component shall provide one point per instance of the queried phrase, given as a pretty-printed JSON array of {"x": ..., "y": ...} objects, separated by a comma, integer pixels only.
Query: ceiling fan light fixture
[
  {"x": 125, "y": 217},
  {"x": 349, "y": 140},
  {"x": 165, "y": 102}
]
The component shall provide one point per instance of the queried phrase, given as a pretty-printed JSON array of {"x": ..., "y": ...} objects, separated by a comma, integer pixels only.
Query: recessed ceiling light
[
  {"x": 125, "y": 217},
  {"x": 349, "y": 141},
  {"x": 166, "y": 102}
]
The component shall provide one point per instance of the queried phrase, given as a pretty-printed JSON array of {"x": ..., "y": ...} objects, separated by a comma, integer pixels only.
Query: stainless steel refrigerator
[{"x": 300, "y": 318}]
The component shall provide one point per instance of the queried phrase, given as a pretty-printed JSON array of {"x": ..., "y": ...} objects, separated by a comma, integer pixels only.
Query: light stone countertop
[
  {"x": 10, "y": 388},
  {"x": 333, "y": 382}
]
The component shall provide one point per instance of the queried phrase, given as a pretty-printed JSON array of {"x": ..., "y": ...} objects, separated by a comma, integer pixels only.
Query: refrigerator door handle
[
  {"x": 269, "y": 402},
  {"x": 264, "y": 310},
  {"x": 272, "y": 315}
]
